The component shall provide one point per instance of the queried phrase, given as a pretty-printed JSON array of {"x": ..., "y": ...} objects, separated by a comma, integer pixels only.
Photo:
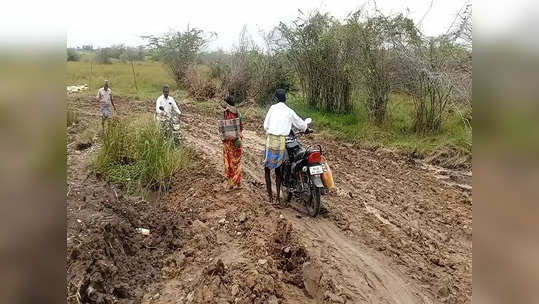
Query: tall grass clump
[{"x": 139, "y": 155}]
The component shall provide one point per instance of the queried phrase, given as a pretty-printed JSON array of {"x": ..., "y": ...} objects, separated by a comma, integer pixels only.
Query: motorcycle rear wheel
[{"x": 314, "y": 202}]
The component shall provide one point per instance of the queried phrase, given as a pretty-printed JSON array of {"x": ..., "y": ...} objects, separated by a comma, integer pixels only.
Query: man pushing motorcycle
[
  {"x": 278, "y": 123},
  {"x": 167, "y": 113}
]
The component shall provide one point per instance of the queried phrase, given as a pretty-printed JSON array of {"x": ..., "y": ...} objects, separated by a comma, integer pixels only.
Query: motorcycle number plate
[{"x": 316, "y": 170}]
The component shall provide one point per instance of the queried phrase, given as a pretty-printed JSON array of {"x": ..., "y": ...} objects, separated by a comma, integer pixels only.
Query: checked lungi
[{"x": 275, "y": 151}]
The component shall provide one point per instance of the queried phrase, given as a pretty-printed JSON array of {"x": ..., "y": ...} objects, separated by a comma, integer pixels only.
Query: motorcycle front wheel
[{"x": 314, "y": 201}]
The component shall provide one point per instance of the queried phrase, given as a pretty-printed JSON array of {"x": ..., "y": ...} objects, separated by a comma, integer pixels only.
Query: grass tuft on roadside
[{"x": 137, "y": 154}]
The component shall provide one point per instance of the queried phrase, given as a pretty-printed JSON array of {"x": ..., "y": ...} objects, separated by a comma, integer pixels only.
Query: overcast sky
[{"x": 103, "y": 23}]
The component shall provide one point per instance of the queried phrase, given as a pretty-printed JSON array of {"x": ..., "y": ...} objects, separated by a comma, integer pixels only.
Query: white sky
[{"x": 103, "y": 23}]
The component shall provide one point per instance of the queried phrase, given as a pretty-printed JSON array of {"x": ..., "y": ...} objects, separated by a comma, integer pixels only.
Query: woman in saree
[{"x": 232, "y": 148}]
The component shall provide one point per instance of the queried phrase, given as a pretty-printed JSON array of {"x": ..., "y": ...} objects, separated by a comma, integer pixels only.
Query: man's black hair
[{"x": 280, "y": 95}]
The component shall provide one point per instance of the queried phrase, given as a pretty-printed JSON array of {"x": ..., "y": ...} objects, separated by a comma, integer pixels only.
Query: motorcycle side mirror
[{"x": 308, "y": 120}]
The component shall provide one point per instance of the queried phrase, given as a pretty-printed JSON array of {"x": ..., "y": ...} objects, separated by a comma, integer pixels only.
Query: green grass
[
  {"x": 150, "y": 77},
  {"x": 395, "y": 133},
  {"x": 136, "y": 154}
]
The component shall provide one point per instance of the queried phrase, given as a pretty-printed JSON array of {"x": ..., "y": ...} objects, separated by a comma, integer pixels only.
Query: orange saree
[{"x": 232, "y": 154}]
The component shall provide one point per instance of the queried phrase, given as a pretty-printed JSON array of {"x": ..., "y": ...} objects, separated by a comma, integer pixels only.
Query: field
[
  {"x": 450, "y": 148},
  {"x": 150, "y": 77}
]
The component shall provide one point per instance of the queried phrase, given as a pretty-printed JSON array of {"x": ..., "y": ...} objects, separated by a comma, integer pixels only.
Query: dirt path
[
  {"x": 395, "y": 231},
  {"x": 361, "y": 274},
  {"x": 418, "y": 216}
]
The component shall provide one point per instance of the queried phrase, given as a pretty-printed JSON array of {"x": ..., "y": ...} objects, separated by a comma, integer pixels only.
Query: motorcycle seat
[
  {"x": 292, "y": 145},
  {"x": 300, "y": 153}
]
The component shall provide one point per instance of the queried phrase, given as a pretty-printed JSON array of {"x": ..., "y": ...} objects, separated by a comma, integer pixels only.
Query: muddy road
[{"x": 395, "y": 231}]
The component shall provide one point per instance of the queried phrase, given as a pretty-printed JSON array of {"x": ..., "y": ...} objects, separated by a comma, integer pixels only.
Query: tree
[
  {"x": 238, "y": 79},
  {"x": 103, "y": 56},
  {"x": 315, "y": 47},
  {"x": 372, "y": 59},
  {"x": 256, "y": 72},
  {"x": 133, "y": 54},
  {"x": 72, "y": 55},
  {"x": 177, "y": 50},
  {"x": 436, "y": 72}
]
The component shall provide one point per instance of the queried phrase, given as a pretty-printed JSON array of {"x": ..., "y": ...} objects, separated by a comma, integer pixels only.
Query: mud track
[{"x": 395, "y": 231}]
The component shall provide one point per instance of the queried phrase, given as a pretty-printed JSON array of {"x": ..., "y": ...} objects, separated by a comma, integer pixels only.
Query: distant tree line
[{"x": 105, "y": 55}]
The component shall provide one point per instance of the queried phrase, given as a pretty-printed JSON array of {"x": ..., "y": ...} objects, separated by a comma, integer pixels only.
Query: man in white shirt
[
  {"x": 165, "y": 106},
  {"x": 278, "y": 123}
]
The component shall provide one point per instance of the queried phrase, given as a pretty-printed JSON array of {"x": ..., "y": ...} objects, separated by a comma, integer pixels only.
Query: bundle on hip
[{"x": 230, "y": 129}]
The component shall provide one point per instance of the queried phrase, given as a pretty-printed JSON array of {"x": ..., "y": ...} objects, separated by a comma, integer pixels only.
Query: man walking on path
[
  {"x": 278, "y": 123},
  {"x": 104, "y": 96}
]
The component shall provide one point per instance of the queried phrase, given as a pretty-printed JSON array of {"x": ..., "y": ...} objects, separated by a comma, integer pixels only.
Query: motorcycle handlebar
[{"x": 297, "y": 133}]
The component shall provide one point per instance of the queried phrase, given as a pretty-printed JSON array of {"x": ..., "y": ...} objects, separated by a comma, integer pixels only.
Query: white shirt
[
  {"x": 280, "y": 119},
  {"x": 168, "y": 104}
]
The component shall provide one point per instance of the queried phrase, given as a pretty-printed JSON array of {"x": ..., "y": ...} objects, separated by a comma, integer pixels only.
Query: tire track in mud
[{"x": 359, "y": 273}]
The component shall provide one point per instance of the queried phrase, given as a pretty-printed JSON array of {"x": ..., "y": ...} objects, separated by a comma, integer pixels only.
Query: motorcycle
[{"x": 302, "y": 173}]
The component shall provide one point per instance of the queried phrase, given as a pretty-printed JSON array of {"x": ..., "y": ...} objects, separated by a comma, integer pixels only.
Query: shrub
[
  {"x": 138, "y": 155},
  {"x": 178, "y": 50},
  {"x": 103, "y": 56},
  {"x": 115, "y": 51},
  {"x": 433, "y": 76},
  {"x": 72, "y": 55},
  {"x": 218, "y": 70},
  {"x": 124, "y": 57},
  {"x": 132, "y": 54},
  {"x": 256, "y": 73},
  {"x": 198, "y": 84},
  {"x": 237, "y": 81},
  {"x": 269, "y": 74},
  {"x": 370, "y": 43}
]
